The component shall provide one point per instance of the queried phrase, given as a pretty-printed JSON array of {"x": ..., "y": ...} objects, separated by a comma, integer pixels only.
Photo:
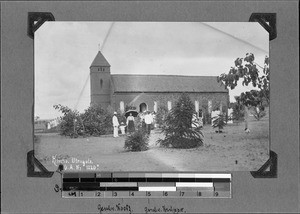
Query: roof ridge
[
  {"x": 155, "y": 83},
  {"x": 176, "y": 75}
]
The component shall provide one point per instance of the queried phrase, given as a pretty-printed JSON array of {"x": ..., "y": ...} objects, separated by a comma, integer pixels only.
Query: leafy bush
[
  {"x": 219, "y": 122},
  {"x": 97, "y": 121},
  {"x": 178, "y": 126},
  {"x": 71, "y": 123},
  {"x": 137, "y": 141},
  {"x": 238, "y": 110},
  {"x": 162, "y": 113}
]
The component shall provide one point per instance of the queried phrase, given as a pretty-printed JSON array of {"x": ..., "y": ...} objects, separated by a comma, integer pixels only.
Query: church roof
[
  {"x": 99, "y": 60},
  {"x": 166, "y": 83}
]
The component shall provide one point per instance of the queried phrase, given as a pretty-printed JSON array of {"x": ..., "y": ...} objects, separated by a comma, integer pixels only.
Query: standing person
[
  {"x": 115, "y": 124},
  {"x": 130, "y": 123},
  {"x": 148, "y": 121}
]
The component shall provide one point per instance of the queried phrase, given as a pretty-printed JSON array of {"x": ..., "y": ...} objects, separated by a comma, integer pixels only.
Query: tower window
[
  {"x": 101, "y": 83},
  {"x": 169, "y": 105},
  {"x": 155, "y": 106}
]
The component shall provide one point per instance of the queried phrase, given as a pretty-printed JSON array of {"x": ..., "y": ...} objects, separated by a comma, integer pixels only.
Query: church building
[{"x": 148, "y": 92}]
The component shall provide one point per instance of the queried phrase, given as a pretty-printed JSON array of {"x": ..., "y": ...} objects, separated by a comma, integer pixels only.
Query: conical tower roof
[{"x": 100, "y": 61}]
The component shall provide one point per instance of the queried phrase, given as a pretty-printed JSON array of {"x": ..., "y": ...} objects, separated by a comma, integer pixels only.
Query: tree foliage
[
  {"x": 238, "y": 110},
  {"x": 178, "y": 126},
  {"x": 70, "y": 123},
  {"x": 162, "y": 113},
  {"x": 219, "y": 122},
  {"x": 258, "y": 113},
  {"x": 246, "y": 70},
  {"x": 95, "y": 121},
  {"x": 137, "y": 141}
]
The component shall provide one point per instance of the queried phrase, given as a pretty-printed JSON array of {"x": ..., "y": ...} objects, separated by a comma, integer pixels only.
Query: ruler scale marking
[{"x": 145, "y": 185}]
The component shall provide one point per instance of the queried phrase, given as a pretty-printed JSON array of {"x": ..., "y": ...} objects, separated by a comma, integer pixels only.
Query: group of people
[{"x": 146, "y": 119}]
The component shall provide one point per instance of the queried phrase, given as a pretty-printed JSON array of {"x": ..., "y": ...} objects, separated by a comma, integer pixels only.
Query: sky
[{"x": 64, "y": 51}]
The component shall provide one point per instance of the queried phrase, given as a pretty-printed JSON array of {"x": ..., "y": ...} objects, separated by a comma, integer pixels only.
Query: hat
[{"x": 115, "y": 112}]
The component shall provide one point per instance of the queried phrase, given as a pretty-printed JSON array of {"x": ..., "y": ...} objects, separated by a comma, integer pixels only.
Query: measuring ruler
[{"x": 145, "y": 185}]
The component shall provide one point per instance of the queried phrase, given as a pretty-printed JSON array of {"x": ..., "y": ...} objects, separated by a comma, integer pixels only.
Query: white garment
[
  {"x": 148, "y": 119},
  {"x": 115, "y": 125},
  {"x": 116, "y": 130},
  {"x": 115, "y": 121}
]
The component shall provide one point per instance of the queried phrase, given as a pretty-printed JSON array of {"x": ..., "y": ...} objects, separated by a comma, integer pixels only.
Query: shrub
[
  {"x": 238, "y": 110},
  {"x": 97, "y": 121},
  {"x": 162, "y": 113},
  {"x": 178, "y": 126},
  {"x": 219, "y": 122},
  {"x": 137, "y": 141},
  {"x": 71, "y": 123}
]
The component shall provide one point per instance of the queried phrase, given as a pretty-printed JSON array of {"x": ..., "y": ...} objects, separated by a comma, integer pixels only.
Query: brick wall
[{"x": 136, "y": 99}]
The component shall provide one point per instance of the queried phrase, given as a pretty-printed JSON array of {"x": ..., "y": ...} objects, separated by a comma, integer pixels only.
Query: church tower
[{"x": 100, "y": 81}]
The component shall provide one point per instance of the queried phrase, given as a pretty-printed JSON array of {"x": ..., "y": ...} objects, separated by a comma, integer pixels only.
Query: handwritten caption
[
  {"x": 164, "y": 209},
  {"x": 121, "y": 208},
  {"x": 75, "y": 163},
  {"x": 115, "y": 208}
]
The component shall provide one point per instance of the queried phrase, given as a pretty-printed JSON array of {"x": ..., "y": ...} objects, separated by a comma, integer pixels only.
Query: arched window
[
  {"x": 143, "y": 107},
  {"x": 169, "y": 105},
  {"x": 101, "y": 83},
  {"x": 122, "y": 108}
]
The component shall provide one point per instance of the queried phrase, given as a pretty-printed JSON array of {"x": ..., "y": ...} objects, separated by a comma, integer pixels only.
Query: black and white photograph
[
  {"x": 151, "y": 96},
  {"x": 150, "y": 107}
]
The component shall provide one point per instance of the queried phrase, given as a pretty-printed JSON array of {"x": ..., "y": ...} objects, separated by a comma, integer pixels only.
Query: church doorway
[{"x": 143, "y": 107}]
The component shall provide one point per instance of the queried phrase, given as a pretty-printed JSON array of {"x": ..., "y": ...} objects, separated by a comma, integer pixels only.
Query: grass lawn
[{"x": 232, "y": 150}]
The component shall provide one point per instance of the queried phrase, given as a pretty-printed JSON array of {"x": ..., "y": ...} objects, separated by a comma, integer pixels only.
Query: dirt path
[
  {"x": 106, "y": 153},
  {"x": 233, "y": 150}
]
